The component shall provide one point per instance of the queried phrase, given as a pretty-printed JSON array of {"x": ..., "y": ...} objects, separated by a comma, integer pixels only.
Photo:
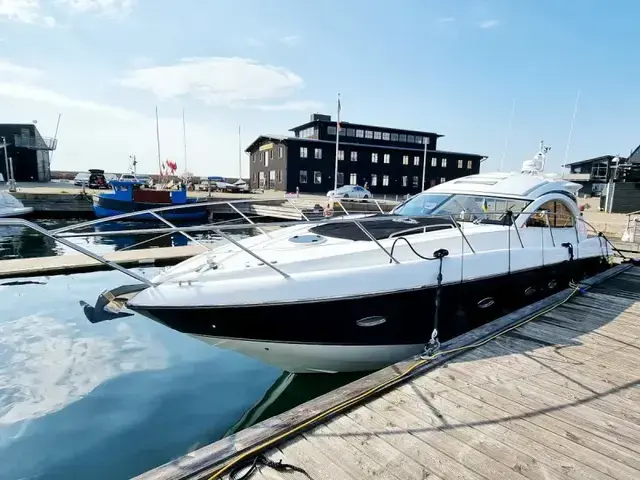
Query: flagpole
[
  {"x": 424, "y": 161},
  {"x": 158, "y": 141},
  {"x": 335, "y": 176}
]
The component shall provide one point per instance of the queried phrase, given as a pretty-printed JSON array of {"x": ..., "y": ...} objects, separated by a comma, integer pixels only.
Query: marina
[{"x": 548, "y": 391}]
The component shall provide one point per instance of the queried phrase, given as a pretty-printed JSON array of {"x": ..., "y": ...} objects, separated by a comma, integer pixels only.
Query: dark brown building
[{"x": 386, "y": 160}]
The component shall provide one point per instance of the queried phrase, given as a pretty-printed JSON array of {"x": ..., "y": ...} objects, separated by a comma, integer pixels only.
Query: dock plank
[
  {"x": 66, "y": 264},
  {"x": 555, "y": 398}
]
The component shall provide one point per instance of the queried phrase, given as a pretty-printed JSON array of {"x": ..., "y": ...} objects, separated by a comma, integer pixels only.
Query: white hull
[
  {"x": 15, "y": 212},
  {"x": 308, "y": 358}
]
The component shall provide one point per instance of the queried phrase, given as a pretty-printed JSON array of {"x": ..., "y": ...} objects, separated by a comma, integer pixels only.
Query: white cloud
[
  {"x": 233, "y": 82},
  {"x": 111, "y": 7},
  {"x": 291, "y": 40},
  {"x": 25, "y": 11},
  {"x": 22, "y": 91},
  {"x": 11, "y": 70},
  {"x": 297, "y": 106},
  {"x": 489, "y": 24}
]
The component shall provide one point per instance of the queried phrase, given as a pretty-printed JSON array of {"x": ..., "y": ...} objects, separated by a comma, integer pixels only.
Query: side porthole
[
  {"x": 371, "y": 321},
  {"x": 486, "y": 302}
]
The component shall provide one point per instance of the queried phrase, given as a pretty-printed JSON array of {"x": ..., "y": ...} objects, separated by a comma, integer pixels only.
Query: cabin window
[{"x": 559, "y": 214}]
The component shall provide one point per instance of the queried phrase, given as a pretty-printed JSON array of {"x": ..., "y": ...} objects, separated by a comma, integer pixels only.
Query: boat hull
[
  {"x": 103, "y": 207},
  {"x": 15, "y": 212},
  {"x": 368, "y": 331}
]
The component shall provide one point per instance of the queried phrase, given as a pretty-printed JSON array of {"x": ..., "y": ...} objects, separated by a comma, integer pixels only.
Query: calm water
[{"x": 111, "y": 400}]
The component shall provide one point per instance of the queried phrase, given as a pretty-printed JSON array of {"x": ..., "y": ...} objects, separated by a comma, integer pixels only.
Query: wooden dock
[
  {"x": 558, "y": 397},
  {"x": 68, "y": 264}
]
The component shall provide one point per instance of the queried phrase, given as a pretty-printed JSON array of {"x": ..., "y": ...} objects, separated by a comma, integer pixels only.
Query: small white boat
[{"x": 10, "y": 206}]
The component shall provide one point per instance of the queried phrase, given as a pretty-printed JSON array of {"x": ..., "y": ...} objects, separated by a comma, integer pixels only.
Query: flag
[
  {"x": 339, "y": 108},
  {"x": 485, "y": 207}
]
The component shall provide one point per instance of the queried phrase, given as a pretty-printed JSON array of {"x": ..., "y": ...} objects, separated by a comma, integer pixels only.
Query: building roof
[
  {"x": 285, "y": 138},
  {"x": 514, "y": 185},
  {"x": 364, "y": 127},
  {"x": 594, "y": 159}
]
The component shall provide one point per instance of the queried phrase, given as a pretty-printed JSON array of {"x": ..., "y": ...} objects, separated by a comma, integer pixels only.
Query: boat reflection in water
[{"x": 289, "y": 391}]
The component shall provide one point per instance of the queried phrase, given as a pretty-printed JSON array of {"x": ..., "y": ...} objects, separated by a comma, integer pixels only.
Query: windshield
[{"x": 467, "y": 208}]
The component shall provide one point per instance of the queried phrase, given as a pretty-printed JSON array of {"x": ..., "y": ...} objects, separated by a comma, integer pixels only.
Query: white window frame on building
[
  {"x": 360, "y": 133},
  {"x": 403, "y": 137},
  {"x": 416, "y": 181},
  {"x": 443, "y": 162},
  {"x": 394, "y": 137},
  {"x": 374, "y": 180},
  {"x": 340, "y": 178},
  {"x": 340, "y": 154},
  {"x": 280, "y": 151},
  {"x": 267, "y": 156},
  {"x": 354, "y": 156},
  {"x": 405, "y": 181},
  {"x": 377, "y": 135},
  {"x": 469, "y": 164},
  {"x": 302, "y": 178},
  {"x": 432, "y": 182},
  {"x": 386, "y": 136},
  {"x": 434, "y": 162},
  {"x": 368, "y": 134},
  {"x": 317, "y": 177},
  {"x": 443, "y": 179},
  {"x": 317, "y": 153},
  {"x": 405, "y": 159},
  {"x": 416, "y": 161},
  {"x": 353, "y": 179},
  {"x": 411, "y": 138},
  {"x": 331, "y": 130},
  {"x": 385, "y": 180},
  {"x": 387, "y": 158},
  {"x": 374, "y": 158},
  {"x": 460, "y": 163},
  {"x": 303, "y": 152}
]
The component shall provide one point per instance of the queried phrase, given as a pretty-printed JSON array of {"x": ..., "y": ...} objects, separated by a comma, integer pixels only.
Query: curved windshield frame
[{"x": 463, "y": 207}]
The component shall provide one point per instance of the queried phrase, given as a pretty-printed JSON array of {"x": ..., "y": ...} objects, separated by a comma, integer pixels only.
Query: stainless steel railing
[{"x": 62, "y": 234}]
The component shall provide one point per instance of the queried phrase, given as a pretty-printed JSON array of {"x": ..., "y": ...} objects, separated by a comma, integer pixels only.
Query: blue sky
[{"x": 453, "y": 67}]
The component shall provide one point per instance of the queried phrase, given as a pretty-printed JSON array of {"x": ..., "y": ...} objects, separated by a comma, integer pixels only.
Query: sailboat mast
[
  {"x": 573, "y": 119},
  {"x": 506, "y": 140},
  {"x": 184, "y": 140},
  {"x": 239, "y": 154},
  {"x": 158, "y": 140}
]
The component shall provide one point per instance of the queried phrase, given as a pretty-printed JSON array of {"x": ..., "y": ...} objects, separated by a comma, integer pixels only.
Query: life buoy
[{"x": 328, "y": 212}]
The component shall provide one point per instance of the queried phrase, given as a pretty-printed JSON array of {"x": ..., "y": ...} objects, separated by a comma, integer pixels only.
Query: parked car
[
  {"x": 350, "y": 191},
  {"x": 93, "y": 179},
  {"x": 131, "y": 177}
]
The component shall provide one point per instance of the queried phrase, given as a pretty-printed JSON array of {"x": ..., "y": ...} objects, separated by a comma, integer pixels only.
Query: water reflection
[{"x": 22, "y": 242}]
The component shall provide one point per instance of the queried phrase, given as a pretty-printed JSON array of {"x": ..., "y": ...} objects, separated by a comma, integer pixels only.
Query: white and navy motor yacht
[{"x": 338, "y": 296}]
